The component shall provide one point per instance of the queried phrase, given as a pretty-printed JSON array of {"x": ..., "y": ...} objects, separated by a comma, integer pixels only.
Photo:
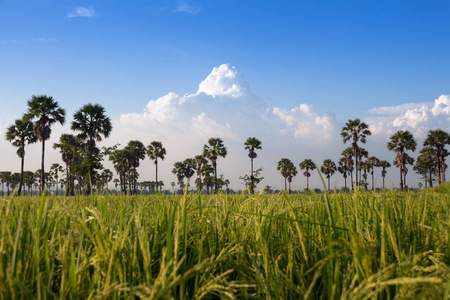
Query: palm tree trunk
[
  {"x": 328, "y": 182},
  {"x": 430, "y": 178},
  {"x": 215, "y": 178},
  {"x": 401, "y": 179},
  {"x": 307, "y": 180},
  {"x": 156, "y": 164},
  {"x": 351, "y": 179},
  {"x": 345, "y": 182},
  {"x": 372, "y": 181},
  {"x": 21, "y": 176},
  {"x": 42, "y": 167},
  {"x": 285, "y": 184},
  {"x": 252, "y": 190},
  {"x": 383, "y": 183}
]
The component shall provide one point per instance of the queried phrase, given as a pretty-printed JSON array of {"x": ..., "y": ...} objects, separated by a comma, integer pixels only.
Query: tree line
[{"x": 83, "y": 158}]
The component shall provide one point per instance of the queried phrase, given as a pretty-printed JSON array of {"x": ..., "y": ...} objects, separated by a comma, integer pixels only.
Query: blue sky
[{"x": 345, "y": 59}]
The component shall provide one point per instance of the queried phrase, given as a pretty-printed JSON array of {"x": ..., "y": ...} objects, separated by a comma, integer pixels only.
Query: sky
[{"x": 290, "y": 73}]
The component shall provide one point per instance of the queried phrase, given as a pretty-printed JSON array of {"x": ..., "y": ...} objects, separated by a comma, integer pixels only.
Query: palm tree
[
  {"x": 355, "y": 130},
  {"x": 344, "y": 169},
  {"x": 307, "y": 165},
  {"x": 136, "y": 152},
  {"x": 373, "y": 162},
  {"x": 438, "y": 138},
  {"x": 212, "y": 151},
  {"x": 400, "y": 142},
  {"x": 179, "y": 171},
  {"x": 47, "y": 112},
  {"x": 116, "y": 182},
  {"x": 5, "y": 177},
  {"x": 328, "y": 168},
  {"x": 19, "y": 134},
  {"x": 200, "y": 161},
  {"x": 154, "y": 151},
  {"x": 285, "y": 167},
  {"x": 92, "y": 123},
  {"x": 69, "y": 147},
  {"x": 384, "y": 164},
  {"x": 348, "y": 154},
  {"x": 189, "y": 169},
  {"x": 54, "y": 170},
  {"x": 426, "y": 165},
  {"x": 252, "y": 144},
  {"x": 292, "y": 172}
]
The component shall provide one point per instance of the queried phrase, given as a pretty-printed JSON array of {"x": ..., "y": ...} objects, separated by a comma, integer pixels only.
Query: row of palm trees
[{"x": 83, "y": 158}]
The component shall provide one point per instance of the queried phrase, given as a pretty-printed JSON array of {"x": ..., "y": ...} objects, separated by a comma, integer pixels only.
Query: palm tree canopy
[
  {"x": 252, "y": 144},
  {"x": 47, "y": 112},
  {"x": 92, "y": 123},
  {"x": 307, "y": 164},
  {"x": 401, "y": 141},
  {"x": 21, "y": 133},
  {"x": 285, "y": 166},
  {"x": 355, "y": 130},
  {"x": 437, "y": 138},
  {"x": 328, "y": 167},
  {"x": 214, "y": 149},
  {"x": 156, "y": 150}
]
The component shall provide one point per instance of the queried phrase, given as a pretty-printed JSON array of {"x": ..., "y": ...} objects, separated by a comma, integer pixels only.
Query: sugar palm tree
[
  {"x": 285, "y": 167},
  {"x": 20, "y": 134},
  {"x": 5, "y": 177},
  {"x": 438, "y": 139},
  {"x": 93, "y": 125},
  {"x": 292, "y": 172},
  {"x": 136, "y": 152},
  {"x": 400, "y": 142},
  {"x": 179, "y": 171},
  {"x": 47, "y": 112},
  {"x": 328, "y": 168},
  {"x": 54, "y": 170},
  {"x": 154, "y": 151},
  {"x": 348, "y": 154},
  {"x": 355, "y": 130},
  {"x": 252, "y": 144},
  {"x": 307, "y": 165},
  {"x": 212, "y": 151},
  {"x": 373, "y": 162},
  {"x": 384, "y": 165},
  {"x": 200, "y": 161},
  {"x": 426, "y": 165},
  {"x": 69, "y": 148},
  {"x": 189, "y": 169},
  {"x": 344, "y": 169}
]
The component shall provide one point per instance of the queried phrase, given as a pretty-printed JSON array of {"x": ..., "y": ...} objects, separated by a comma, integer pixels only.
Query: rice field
[{"x": 365, "y": 245}]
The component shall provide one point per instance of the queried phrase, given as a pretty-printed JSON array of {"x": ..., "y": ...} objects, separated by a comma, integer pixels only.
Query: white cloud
[
  {"x": 418, "y": 118},
  {"x": 186, "y": 8},
  {"x": 82, "y": 11}
]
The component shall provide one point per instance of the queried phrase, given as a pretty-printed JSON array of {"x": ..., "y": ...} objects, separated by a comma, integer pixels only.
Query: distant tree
[
  {"x": 47, "y": 112},
  {"x": 355, "y": 130},
  {"x": 426, "y": 165},
  {"x": 5, "y": 177},
  {"x": 344, "y": 169},
  {"x": 348, "y": 154},
  {"x": 119, "y": 158},
  {"x": 328, "y": 168},
  {"x": 252, "y": 144},
  {"x": 93, "y": 125},
  {"x": 212, "y": 151},
  {"x": 285, "y": 166},
  {"x": 404, "y": 169},
  {"x": 179, "y": 171},
  {"x": 384, "y": 165},
  {"x": 54, "y": 171},
  {"x": 189, "y": 169},
  {"x": 400, "y": 142},
  {"x": 250, "y": 181},
  {"x": 200, "y": 162},
  {"x": 69, "y": 148},
  {"x": 373, "y": 162},
  {"x": 438, "y": 139},
  {"x": 154, "y": 151},
  {"x": 19, "y": 134},
  {"x": 307, "y": 165},
  {"x": 135, "y": 152}
]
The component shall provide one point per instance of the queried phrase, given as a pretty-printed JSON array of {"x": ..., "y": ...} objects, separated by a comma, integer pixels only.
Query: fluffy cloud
[
  {"x": 418, "y": 118},
  {"x": 87, "y": 12},
  {"x": 186, "y": 8},
  {"x": 225, "y": 107}
]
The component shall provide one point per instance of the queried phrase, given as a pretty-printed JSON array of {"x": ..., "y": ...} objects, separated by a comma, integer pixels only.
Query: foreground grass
[{"x": 363, "y": 245}]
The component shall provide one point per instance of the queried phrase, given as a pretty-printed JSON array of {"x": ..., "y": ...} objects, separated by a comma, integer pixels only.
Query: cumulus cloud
[
  {"x": 87, "y": 12},
  {"x": 224, "y": 106},
  {"x": 418, "y": 118}
]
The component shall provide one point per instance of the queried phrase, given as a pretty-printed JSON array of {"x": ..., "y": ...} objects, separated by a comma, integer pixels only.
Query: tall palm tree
[
  {"x": 344, "y": 169},
  {"x": 373, "y": 162},
  {"x": 136, "y": 152},
  {"x": 292, "y": 172},
  {"x": 69, "y": 148},
  {"x": 307, "y": 165},
  {"x": 426, "y": 165},
  {"x": 93, "y": 125},
  {"x": 179, "y": 171},
  {"x": 328, "y": 168},
  {"x": 355, "y": 130},
  {"x": 212, "y": 151},
  {"x": 200, "y": 161},
  {"x": 47, "y": 112},
  {"x": 400, "y": 142},
  {"x": 285, "y": 167},
  {"x": 189, "y": 169},
  {"x": 19, "y": 134},
  {"x": 5, "y": 177},
  {"x": 438, "y": 139},
  {"x": 252, "y": 144},
  {"x": 54, "y": 170},
  {"x": 348, "y": 154},
  {"x": 384, "y": 165},
  {"x": 154, "y": 151}
]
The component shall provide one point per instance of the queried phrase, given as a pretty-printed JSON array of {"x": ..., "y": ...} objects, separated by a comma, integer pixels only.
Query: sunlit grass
[{"x": 356, "y": 246}]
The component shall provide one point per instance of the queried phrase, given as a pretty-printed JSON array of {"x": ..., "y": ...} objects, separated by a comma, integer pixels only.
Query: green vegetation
[{"x": 361, "y": 245}]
